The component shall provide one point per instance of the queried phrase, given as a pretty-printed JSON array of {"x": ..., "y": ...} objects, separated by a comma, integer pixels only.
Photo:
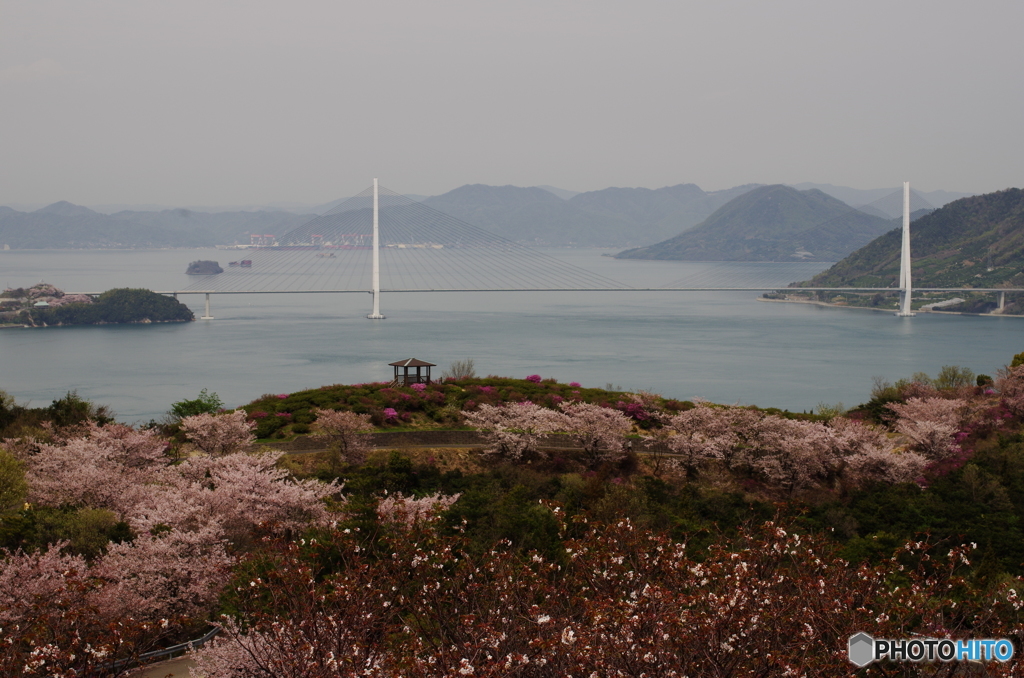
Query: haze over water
[{"x": 725, "y": 347}]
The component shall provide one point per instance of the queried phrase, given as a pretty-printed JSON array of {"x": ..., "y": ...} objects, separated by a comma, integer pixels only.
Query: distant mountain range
[
  {"x": 540, "y": 215},
  {"x": 64, "y": 225},
  {"x": 884, "y": 202},
  {"x": 772, "y": 223},
  {"x": 971, "y": 242},
  {"x": 613, "y": 217}
]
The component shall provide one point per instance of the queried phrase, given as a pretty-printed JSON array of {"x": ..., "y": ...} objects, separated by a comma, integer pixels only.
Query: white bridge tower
[
  {"x": 905, "y": 282},
  {"x": 375, "y": 289}
]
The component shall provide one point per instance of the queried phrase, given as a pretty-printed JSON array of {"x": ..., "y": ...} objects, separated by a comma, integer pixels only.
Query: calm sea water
[{"x": 725, "y": 347}]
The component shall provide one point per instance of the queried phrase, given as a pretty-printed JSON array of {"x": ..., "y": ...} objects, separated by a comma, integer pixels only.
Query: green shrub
[{"x": 205, "y": 403}]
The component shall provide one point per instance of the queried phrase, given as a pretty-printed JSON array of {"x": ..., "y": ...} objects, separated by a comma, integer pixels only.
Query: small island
[
  {"x": 204, "y": 267},
  {"x": 44, "y": 305}
]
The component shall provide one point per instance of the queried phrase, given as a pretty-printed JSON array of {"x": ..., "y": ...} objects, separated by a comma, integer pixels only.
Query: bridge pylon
[
  {"x": 375, "y": 281},
  {"x": 906, "y": 285}
]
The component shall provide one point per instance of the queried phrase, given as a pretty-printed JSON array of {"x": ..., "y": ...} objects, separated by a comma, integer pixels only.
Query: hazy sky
[{"x": 225, "y": 102}]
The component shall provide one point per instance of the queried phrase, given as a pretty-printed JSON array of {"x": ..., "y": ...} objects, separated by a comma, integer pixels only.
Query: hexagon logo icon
[{"x": 861, "y": 649}]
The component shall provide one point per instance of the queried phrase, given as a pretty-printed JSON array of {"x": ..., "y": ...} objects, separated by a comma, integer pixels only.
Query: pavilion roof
[{"x": 412, "y": 362}]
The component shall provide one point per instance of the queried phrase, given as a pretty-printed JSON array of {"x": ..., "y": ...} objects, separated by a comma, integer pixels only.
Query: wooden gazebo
[{"x": 406, "y": 377}]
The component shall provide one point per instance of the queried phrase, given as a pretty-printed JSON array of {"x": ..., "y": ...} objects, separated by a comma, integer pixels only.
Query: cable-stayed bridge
[{"x": 380, "y": 241}]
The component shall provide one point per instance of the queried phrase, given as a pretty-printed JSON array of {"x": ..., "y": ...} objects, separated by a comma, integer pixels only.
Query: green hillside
[
  {"x": 772, "y": 223},
  {"x": 972, "y": 242}
]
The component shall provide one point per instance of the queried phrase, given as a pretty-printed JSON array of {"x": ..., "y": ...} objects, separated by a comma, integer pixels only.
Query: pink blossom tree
[
  {"x": 791, "y": 454},
  {"x": 1011, "y": 389},
  {"x": 863, "y": 453},
  {"x": 187, "y": 520},
  {"x": 600, "y": 431},
  {"x": 514, "y": 430},
  {"x": 172, "y": 574},
  {"x": 216, "y": 434},
  {"x": 699, "y": 434},
  {"x": 103, "y": 467},
  {"x": 30, "y": 580},
  {"x": 341, "y": 431},
  {"x": 241, "y": 494},
  {"x": 930, "y": 424},
  {"x": 62, "y": 616},
  {"x": 401, "y": 510}
]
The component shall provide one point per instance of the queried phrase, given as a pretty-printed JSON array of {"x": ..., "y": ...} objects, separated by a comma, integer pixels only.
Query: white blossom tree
[
  {"x": 514, "y": 430},
  {"x": 401, "y": 510},
  {"x": 600, "y": 431},
  {"x": 930, "y": 424}
]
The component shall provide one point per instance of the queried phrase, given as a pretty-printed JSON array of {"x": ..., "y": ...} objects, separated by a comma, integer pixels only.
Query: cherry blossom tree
[
  {"x": 699, "y": 434},
  {"x": 863, "y": 453},
  {"x": 600, "y": 431},
  {"x": 221, "y": 433},
  {"x": 172, "y": 574},
  {"x": 340, "y": 430},
  {"x": 930, "y": 424},
  {"x": 102, "y": 467},
  {"x": 240, "y": 494},
  {"x": 61, "y": 616},
  {"x": 515, "y": 430},
  {"x": 28, "y": 580},
  {"x": 71, "y": 299},
  {"x": 789, "y": 454},
  {"x": 234, "y": 654},
  {"x": 1011, "y": 389},
  {"x": 399, "y": 509}
]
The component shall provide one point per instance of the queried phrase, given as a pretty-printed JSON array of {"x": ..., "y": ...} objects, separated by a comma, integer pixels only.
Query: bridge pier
[
  {"x": 1002, "y": 302},
  {"x": 206, "y": 315}
]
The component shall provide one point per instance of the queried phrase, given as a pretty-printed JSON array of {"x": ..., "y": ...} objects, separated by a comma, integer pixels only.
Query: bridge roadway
[{"x": 766, "y": 288}]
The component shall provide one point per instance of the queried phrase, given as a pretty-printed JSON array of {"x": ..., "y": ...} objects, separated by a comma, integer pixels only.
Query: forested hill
[
  {"x": 772, "y": 223},
  {"x": 972, "y": 242},
  {"x": 65, "y": 225}
]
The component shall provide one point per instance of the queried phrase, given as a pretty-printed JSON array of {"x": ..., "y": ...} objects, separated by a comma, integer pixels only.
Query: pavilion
[{"x": 407, "y": 377}]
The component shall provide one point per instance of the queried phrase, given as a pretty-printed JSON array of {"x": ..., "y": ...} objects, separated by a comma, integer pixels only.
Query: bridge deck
[{"x": 765, "y": 288}]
